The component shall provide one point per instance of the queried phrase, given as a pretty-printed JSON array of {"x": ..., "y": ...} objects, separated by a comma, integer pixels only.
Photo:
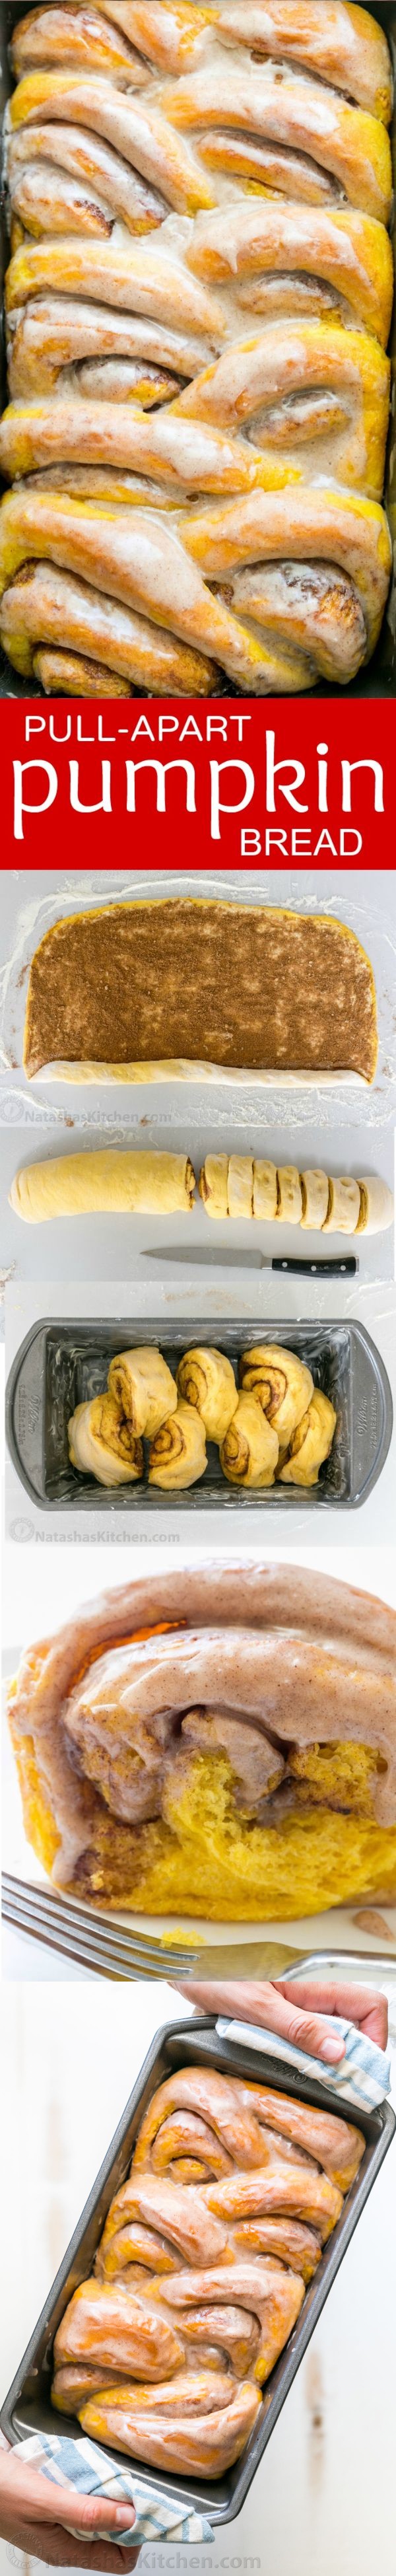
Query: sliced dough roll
[
  {"x": 343, "y": 1208},
  {"x": 213, "y": 1184},
  {"x": 265, "y": 1191},
  {"x": 249, "y": 1453},
  {"x": 311, "y": 1442},
  {"x": 240, "y": 1185},
  {"x": 376, "y": 1205},
  {"x": 178, "y": 1453},
  {"x": 315, "y": 1199},
  {"x": 102, "y": 1443},
  {"x": 206, "y": 1380},
  {"x": 141, "y": 1382},
  {"x": 104, "y": 1183},
  {"x": 289, "y": 1208}
]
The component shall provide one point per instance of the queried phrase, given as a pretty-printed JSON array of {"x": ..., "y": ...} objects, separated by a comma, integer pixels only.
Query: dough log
[{"x": 109, "y": 1182}]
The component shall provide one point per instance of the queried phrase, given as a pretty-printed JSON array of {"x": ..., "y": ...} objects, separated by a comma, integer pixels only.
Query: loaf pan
[
  {"x": 60, "y": 1365},
  {"x": 27, "y": 2408},
  {"x": 379, "y": 680}
]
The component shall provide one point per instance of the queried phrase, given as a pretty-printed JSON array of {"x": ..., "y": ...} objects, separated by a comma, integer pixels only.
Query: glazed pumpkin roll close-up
[
  {"x": 217, "y": 1741},
  {"x": 198, "y": 308}
]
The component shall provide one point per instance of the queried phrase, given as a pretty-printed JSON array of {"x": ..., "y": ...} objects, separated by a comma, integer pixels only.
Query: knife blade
[{"x": 342, "y": 1266}]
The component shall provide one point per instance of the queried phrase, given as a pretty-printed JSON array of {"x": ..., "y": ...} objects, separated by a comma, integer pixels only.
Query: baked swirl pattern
[
  {"x": 198, "y": 309},
  {"x": 217, "y": 1742},
  {"x": 201, "y": 2270}
]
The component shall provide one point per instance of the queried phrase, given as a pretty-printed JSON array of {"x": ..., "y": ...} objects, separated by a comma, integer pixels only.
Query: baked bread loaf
[
  {"x": 198, "y": 306},
  {"x": 136, "y": 969},
  {"x": 218, "y": 1742},
  {"x": 164, "y": 2350}
]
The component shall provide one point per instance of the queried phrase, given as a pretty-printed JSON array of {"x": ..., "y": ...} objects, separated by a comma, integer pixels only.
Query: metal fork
[{"x": 99, "y": 1944}]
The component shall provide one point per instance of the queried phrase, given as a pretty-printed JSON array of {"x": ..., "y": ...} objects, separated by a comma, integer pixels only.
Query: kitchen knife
[{"x": 343, "y": 1266}]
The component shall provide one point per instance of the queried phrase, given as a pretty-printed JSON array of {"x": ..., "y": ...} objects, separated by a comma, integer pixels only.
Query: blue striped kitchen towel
[
  {"x": 363, "y": 2074},
  {"x": 86, "y": 2468}
]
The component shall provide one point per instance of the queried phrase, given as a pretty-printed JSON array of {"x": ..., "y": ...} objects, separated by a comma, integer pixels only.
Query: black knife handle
[{"x": 343, "y": 1267}]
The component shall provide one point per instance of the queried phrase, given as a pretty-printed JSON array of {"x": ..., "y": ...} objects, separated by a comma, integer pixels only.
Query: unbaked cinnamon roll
[
  {"x": 103, "y": 1444},
  {"x": 281, "y": 1384},
  {"x": 206, "y": 1379}
]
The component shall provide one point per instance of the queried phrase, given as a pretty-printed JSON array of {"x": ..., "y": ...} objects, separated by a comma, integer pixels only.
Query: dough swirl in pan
[
  {"x": 280, "y": 1383},
  {"x": 310, "y": 1443},
  {"x": 250, "y": 1448},
  {"x": 178, "y": 1452},
  {"x": 141, "y": 1382},
  {"x": 205, "y": 1378},
  {"x": 103, "y": 1444}
]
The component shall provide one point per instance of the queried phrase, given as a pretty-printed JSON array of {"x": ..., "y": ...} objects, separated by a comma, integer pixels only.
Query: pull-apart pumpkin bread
[
  {"x": 201, "y": 2271},
  {"x": 217, "y": 1742},
  {"x": 300, "y": 992},
  {"x": 198, "y": 309}
]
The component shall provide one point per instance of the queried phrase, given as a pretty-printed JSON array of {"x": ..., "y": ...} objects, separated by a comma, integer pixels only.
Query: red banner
[{"x": 187, "y": 782}]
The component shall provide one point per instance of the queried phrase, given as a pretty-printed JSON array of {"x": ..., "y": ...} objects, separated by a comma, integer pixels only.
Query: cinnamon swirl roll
[
  {"x": 103, "y": 1444},
  {"x": 281, "y": 1384},
  {"x": 286, "y": 1804},
  {"x": 311, "y": 1442},
  {"x": 206, "y": 1380},
  {"x": 250, "y": 1449},
  {"x": 178, "y": 1453}
]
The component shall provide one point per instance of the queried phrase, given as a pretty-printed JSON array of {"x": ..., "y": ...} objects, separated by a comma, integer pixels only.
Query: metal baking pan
[
  {"x": 27, "y": 2408},
  {"x": 379, "y": 680},
  {"x": 60, "y": 1365}
]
